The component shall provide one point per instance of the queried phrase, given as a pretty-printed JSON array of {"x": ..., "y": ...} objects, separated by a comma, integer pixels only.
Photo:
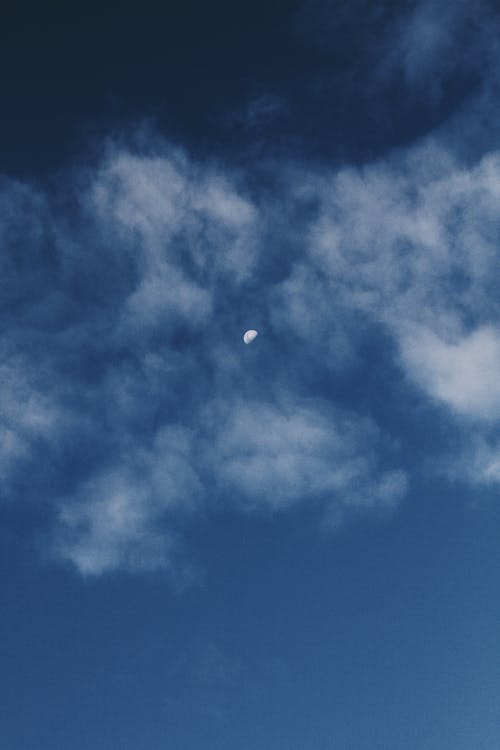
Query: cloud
[
  {"x": 183, "y": 213},
  {"x": 273, "y": 456},
  {"x": 110, "y": 527},
  {"x": 411, "y": 246},
  {"x": 128, "y": 399},
  {"x": 118, "y": 519},
  {"x": 462, "y": 374},
  {"x": 483, "y": 462},
  {"x": 164, "y": 296},
  {"x": 437, "y": 43},
  {"x": 30, "y": 419},
  {"x": 408, "y": 246}
]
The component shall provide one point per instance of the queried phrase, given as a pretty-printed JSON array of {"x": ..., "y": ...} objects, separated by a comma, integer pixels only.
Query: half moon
[{"x": 249, "y": 336}]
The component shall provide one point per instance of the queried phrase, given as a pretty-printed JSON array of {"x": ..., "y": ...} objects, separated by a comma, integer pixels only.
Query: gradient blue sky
[{"x": 292, "y": 545}]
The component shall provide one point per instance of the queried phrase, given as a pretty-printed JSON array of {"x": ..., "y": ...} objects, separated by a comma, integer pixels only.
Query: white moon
[{"x": 249, "y": 336}]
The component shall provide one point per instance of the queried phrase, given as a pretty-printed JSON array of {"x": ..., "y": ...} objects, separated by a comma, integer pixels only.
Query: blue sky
[{"x": 291, "y": 544}]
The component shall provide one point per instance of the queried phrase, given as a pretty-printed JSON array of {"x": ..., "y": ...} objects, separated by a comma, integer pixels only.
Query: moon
[{"x": 249, "y": 336}]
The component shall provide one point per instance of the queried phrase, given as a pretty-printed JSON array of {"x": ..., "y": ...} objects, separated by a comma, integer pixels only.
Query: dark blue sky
[
  {"x": 75, "y": 75},
  {"x": 291, "y": 545}
]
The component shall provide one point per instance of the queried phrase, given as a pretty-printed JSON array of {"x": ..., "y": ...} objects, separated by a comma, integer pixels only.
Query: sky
[{"x": 290, "y": 545}]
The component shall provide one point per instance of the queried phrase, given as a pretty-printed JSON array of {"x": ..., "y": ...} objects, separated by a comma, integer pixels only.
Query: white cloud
[
  {"x": 164, "y": 297},
  {"x": 483, "y": 463},
  {"x": 119, "y": 519},
  {"x": 412, "y": 246},
  {"x": 277, "y": 455},
  {"x": 144, "y": 387},
  {"x": 29, "y": 415},
  {"x": 462, "y": 374},
  {"x": 386, "y": 235},
  {"x": 261, "y": 456},
  {"x": 144, "y": 194},
  {"x": 175, "y": 209},
  {"x": 472, "y": 458},
  {"x": 110, "y": 528}
]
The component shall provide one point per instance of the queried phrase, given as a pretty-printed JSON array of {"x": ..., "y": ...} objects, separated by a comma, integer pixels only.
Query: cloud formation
[
  {"x": 128, "y": 401},
  {"x": 430, "y": 40},
  {"x": 276, "y": 455},
  {"x": 412, "y": 245},
  {"x": 464, "y": 375},
  {"x": 123, "y": 375}
]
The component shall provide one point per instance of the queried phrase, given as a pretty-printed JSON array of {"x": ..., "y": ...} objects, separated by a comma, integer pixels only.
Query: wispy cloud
[
  {"x": 275, "y": 455},
  {"x": 414, "y": 246},
  {"x": 429, "y": 41},
  {"x": 128, "y": 401},
  {"x": 118, "y": 519},
  {"x": 125, "y": 376}
]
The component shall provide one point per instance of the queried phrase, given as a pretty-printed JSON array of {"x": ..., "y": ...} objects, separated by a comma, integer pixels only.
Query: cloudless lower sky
[{"x": 290, "y": 545}]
